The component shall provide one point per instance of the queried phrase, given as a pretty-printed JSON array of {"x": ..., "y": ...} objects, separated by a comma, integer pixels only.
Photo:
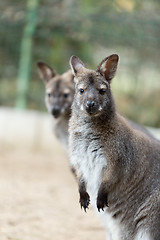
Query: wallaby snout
[
  {"x": 91, "y": 106},
  {"x": 56, "y": 111}
]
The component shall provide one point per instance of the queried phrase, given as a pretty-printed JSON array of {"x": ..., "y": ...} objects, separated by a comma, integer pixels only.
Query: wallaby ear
[
  {"x": 108, "y": 67},
  {"x": 76, "y": 65},
  {"x": 45, "y": 71}
]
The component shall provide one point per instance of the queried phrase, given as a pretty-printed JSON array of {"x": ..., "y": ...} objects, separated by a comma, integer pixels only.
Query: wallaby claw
[
  {"x": 102, "y": 202},
  {"x": 85, "y": 208},
  {"x": 84, "y": 201}
]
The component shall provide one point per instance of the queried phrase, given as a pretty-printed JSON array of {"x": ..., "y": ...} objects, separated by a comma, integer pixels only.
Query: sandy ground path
[
  {"x": 39, "y": 199},
  {"x": 38, "y": 194}
]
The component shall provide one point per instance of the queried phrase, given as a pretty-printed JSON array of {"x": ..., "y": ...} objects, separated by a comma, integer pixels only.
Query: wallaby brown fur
[
  {"x": 58, "y": 98},
  {"x": 117, "y": 167}
]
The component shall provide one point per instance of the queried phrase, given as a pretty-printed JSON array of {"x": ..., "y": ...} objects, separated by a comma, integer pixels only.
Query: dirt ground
[{"x": 39, "y": 199}]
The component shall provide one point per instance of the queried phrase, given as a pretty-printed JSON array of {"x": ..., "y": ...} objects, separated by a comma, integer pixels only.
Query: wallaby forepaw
[
  {"x": 102, "y": 202},
  {"x": 84, "y": 201}
]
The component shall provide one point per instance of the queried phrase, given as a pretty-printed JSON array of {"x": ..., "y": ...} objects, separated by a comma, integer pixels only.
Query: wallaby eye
[
  {"x": 66, "y": 95},
  {"x": 48, "y": 94},
  {"x": 81, "y": 90},
  {"x": 102, "y": 91}
]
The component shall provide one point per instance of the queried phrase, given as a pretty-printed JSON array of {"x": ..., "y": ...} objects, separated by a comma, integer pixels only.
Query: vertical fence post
[{"x": 26, "y": 54}]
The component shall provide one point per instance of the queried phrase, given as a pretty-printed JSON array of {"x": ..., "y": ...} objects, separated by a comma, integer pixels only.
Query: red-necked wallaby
[
  {"x": 58, "y": 98},
  {"x": 117, "y": 167}
]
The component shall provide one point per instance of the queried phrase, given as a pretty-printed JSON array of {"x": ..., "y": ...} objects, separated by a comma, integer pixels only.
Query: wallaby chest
[{"x": 88, "y": 158}]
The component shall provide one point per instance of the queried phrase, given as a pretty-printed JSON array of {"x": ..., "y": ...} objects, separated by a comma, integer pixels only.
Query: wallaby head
[
  {"x": 93, "y": 95},
  {"x": 59, "y": 90}
]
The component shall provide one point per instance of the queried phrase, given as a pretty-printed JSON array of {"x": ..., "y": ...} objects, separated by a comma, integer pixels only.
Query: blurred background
[{"x": 53, "y": 30}]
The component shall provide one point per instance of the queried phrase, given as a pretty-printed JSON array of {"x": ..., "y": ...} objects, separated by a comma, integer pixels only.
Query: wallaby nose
[
  {"x": 56, "y": 111},
  {"x": 90, "y": 104}
]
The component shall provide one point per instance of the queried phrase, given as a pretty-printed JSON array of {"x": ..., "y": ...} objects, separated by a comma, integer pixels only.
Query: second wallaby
[
  {"x": 58, "y": 99},
  {"x": 117, "y": 166}
]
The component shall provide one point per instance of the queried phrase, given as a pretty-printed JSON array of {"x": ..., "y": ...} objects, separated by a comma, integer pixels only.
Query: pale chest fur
[{"x": 87, "y": 158}]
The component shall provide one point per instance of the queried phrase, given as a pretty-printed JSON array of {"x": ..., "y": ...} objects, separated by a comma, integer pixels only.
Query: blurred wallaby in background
[{"x": 58, "y": 99}]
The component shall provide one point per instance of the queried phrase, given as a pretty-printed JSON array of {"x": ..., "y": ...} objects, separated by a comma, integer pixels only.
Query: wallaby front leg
[
  {"x": 106, "y": 185},
  {"x": 102, "y": 198},
  {"x": 84, "y": 196}
]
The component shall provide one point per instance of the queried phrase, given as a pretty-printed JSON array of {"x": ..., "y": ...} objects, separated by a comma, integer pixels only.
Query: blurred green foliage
[{"x": 91, "y": 30}]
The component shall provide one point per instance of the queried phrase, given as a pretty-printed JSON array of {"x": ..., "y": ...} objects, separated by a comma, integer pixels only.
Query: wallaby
[
  {"x": 117, "y": 166},
  {"x": 58, "y": 98}
]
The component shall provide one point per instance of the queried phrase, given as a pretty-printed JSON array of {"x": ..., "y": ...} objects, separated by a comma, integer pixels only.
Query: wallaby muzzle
[
  {"x": 56, "y": 111},
  {"x": 91, "y": 107}
]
